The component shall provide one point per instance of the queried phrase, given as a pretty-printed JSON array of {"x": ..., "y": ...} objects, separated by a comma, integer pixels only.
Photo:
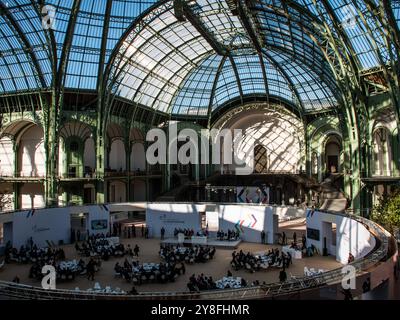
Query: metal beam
[
  {"x": 214, "y": 89},
  {"x": 51, "y": 41},
  {"x": 196, "y": 22},
  {"x": 236, "y": 72},
  {"x": 245, "y": 17}
]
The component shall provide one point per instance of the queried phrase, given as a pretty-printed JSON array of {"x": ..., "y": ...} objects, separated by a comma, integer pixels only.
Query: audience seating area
[
  {"x": 138, "y": 274},
  {"x": 101, "y": 247},
  {"x": 192, "y": 255},
  {"x": 261, "y": 261}
]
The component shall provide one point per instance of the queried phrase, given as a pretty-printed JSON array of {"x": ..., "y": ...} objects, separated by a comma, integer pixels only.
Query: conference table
[{"x": 296, "y": 254}]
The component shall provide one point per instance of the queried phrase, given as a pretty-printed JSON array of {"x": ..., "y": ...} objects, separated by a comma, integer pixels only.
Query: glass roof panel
[
  {"x": 217, "y": 16},
  {"x": 168, "y": 65},
  {"x": 150, "y": 72},
  {"x": 314, "y": 93}
]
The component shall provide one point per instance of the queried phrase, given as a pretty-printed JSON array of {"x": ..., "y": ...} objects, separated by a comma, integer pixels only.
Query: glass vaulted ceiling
[
  {"x": 168, "y": 65},
  {"x": 22, "y": 19}
]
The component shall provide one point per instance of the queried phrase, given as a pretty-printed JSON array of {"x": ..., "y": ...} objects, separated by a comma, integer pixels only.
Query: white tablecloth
[
  {"x": 199, "y": 240},
  {"x": 296, "y": 254}
]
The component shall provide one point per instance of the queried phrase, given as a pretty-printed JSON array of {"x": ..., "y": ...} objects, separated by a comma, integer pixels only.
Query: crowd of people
[
  {"x": 67, "y": 270},
  {"x": 196, "y": 254},
  {"x": 230, "y": 235},
  {"x": 149, "y": 272},
  {"x": 204, "y": 283},
  {"x": 187, "y": 232},
  {"x": 201, "y": 283},
  {"x": 130, "y": 231},
  {"x": 31, "y": 254},
  {"x": 104, "y": 248},
  {"x": 253, "y": 263}
]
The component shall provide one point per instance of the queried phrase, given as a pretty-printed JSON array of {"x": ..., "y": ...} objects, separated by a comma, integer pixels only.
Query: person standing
[
  {"x": 142, "y": 230},
  {"x": 133, "y": 227},
  {"x": 295, "y": 238},
  {"x": 263, "y": 237},
  {"x": 282, "y": 275},
  {"x": 136, "y": 250},
  {"x": 304, "y": 241},
  {"x": 284, "y": 240},
  {"x": 90, "y": 269},
  {"x": 162, "y": 233},
  {"x": 367, "y": 285}
]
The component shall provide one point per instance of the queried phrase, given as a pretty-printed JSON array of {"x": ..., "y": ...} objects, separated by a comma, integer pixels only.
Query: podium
[{"x": 181, "y": 238}]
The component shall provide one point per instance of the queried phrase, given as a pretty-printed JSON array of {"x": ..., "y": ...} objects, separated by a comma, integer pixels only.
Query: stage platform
[{"x": 228, "y": 245}]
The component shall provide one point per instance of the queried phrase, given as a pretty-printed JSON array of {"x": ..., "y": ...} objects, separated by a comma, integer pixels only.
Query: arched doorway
[
  {"x": 138, "y": 157},
  {"x": 332, "y": 155},
  {"x": 31, "y": 155},
  {"x": 117, "y": 157}
]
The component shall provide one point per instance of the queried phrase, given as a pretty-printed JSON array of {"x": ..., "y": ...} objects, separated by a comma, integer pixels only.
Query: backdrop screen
[
  {"x": 313, "y": 234},
  {"x": 99, "y": 224},
  {"x": 252, "y": 194}
]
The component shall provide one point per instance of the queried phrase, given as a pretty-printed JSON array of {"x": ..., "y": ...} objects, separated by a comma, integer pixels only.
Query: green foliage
[{"x": 387, "y": 211}]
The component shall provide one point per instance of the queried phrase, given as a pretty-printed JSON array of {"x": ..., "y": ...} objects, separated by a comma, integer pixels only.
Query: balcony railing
[{"x": 21, "y": 175}]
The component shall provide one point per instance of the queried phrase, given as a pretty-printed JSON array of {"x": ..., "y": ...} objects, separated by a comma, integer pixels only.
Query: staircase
[
  {"x": 332, "y": 199},
  {"x": 171, "y": 196}
]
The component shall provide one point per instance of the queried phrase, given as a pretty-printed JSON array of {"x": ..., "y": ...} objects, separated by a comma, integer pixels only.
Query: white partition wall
[
  {"x": 351, "y": 236},
  {"x": 42, "y": 225},
  {"x": 171, "y": 216},
  {"x": 98, "y": 219},
  {"x": 249, "y": 221}
]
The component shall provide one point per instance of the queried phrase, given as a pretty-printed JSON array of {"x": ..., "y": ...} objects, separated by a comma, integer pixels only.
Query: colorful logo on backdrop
[
  {"x": 30, "y": 214},
  {"x": 249, "y": 222},
  {"x": 249, "y": 195},
  {"x": 310, "y": 213},
  {"x": 103, "y": 207}
]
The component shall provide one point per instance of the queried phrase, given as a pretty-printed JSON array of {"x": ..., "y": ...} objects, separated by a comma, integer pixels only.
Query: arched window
[
  {"x": 260, "y": 160},
  {"x": 332, "y": 155},
  {"x": 314, "y": 163},
  {"x": 382, "y": 153}
]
